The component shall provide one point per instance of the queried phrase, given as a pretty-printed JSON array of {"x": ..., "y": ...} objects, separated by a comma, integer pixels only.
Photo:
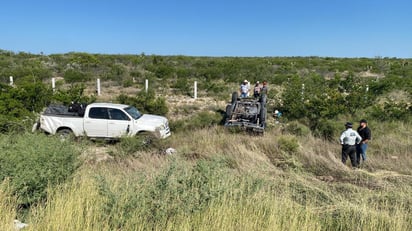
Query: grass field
[{"x": 219, "y": 180}]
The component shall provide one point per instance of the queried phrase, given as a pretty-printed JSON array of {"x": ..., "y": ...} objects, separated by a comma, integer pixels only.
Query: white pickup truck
[{"x": 101, "y": 120}]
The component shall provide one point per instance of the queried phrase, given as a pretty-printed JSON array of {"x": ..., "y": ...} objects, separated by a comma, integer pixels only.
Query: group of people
[
  {"x": 355, "y": 143},
  {"x": 258, "y": 89}
]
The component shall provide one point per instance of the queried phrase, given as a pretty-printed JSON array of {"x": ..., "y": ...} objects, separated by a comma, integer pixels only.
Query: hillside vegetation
[{"x": 289, "y": 179}]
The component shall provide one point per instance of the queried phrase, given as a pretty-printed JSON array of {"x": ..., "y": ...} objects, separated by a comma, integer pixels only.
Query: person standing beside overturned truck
[
  {"x": 365, "y": 133},
  {"x": 256, "y": 90},
  {"x": 264, "y": 89},
  {"x": 349, "y": 139},
  {"x": 244, "y": 89}
]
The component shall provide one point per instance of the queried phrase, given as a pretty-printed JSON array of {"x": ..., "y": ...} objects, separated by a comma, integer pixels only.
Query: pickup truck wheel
[
  {"x": 234, "y": 98},
  {"x": 65, "y": 134},
  {"x": 146, "y": 138},
  {"x": 229, "y": 109}
]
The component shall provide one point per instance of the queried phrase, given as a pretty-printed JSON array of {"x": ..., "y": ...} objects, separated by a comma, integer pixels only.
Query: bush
[
  {"x": 73, "y": 76},
  {"x": 182, "y": 86},
  {"x": 391, "y": 111},
  {"x": 32, "y": 162},
  {"x": 288, "y": 144},
  {"x": 141, "y": 142},
  {"x": 146, "y": 102},
  {"x": 327, "y": 130},
  {"x": 296, "y": 128},
  {"x": 18, "y": 103},
  {"x": 201, "y": 120},
  {"x": 75, "y": 93}
]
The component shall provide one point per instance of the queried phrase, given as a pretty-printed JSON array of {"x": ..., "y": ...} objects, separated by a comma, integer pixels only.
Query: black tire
[
  {"x": 262, "y": 116},
  {"x": 229, "y": 110},
  {"x": 234, "y": 98},
  {"x": 147, "y": 138},
  {"x": 65, "y": 134}
]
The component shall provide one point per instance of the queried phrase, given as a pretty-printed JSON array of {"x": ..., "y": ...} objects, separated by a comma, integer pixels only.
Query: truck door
[
  {"x": 119, "y": 123},
  {"x": 96, "y": 122}
]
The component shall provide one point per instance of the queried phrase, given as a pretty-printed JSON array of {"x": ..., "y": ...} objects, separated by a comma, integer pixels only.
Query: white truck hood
[
  {"x": 153, "y": 120},
  {"x": 154, "y": 123}
]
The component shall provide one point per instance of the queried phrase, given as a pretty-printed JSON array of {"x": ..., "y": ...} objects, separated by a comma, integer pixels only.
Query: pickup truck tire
[
  {"x": 234, "y": 98},
  {"x": 229, "y": 109},
  {"x": 146, "y": 138},
  {"x": 65, "y": 134}
]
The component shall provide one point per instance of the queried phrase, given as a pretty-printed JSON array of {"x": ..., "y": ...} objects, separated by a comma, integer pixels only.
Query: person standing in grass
[
  {"x": 256, "y": 90},
  {"x": 264, "y": 89},
  {"x": 348, "y": 139},
  {"x": 365, "y": 133},
  {"x": 244, "y": 89}
]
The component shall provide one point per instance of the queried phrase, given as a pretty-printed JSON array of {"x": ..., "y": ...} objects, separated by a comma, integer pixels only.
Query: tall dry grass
[
  {"x": 220, "y": 180},
  {"x": 292, "y": 203},
  {"x": 8, "y": 211}
]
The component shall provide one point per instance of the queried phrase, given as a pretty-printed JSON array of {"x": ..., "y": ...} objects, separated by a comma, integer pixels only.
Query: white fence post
[
  {"x": 11, "y": 81},
  {"x": 303, "y": 91},
  {"x": 98, "y": 87},
  {"x": 195, "y": 89},
  {"x": 146, "y": 85},
  {"x": 54, "y": 84}
]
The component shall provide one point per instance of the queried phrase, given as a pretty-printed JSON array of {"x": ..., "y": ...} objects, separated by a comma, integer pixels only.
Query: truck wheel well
[
  {"x": 64, "y": 128},
  {"x": 65, "y": 133}
]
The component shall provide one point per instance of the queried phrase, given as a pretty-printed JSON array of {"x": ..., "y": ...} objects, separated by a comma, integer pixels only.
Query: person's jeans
[
  {"x": 243, "y": 95},
  {"x": 361, "y": 151}
]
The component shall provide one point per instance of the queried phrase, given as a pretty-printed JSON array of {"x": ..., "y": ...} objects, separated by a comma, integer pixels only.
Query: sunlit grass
[
  {"x": 220, "y": 180},
  {"x": 8, "y": 210}
]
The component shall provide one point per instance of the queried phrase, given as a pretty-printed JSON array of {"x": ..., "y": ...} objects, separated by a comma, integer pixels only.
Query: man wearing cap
[
  {"x": 348, "y": 139},
  {"x": 365, "y": 133},
  {"x": 244, "y": 89}
]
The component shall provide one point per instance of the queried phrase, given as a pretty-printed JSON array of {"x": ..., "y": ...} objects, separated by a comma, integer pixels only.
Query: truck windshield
[{"x": 133, "y": 112}]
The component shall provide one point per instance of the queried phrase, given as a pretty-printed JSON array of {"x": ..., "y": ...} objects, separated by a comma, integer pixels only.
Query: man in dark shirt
[
  {"x": 365, "y": 133},
  {"x": 264, "y": 89}
]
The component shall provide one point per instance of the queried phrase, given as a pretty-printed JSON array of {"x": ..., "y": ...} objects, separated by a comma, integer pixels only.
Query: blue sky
[{"x": 333, "y": 28}]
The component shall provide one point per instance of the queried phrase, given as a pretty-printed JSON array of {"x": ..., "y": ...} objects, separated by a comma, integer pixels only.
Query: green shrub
[
  {"x": 32, "y": 162},
  {"x": 391, "y": 111},
  {"x": 288, "y": 144},
  {"x": 141, "y": 142},
  {"x": 182, "y": 85},
  {"x": 296, "y": 128},
  {"x": 74, "y": 76},
  {"x": 201, "y": 120},
  {"x": 17, "y": 104},
  {"x": 75, "y": 93},
  {"x": 146, "y": 102},
  {"x": 327, "y": 129}
]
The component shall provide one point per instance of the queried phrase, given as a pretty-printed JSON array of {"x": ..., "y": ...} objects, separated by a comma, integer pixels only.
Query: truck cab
[{"x": 105, "y": 120}]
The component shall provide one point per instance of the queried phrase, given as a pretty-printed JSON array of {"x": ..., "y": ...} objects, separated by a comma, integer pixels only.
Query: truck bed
[{"x": 60, "y": 110}]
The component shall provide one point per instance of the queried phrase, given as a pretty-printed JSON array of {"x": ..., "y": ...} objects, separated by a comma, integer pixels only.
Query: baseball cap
[{"x": 348, "y": 124}]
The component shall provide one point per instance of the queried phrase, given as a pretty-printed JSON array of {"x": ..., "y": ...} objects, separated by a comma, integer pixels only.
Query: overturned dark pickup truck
[{"x": 247, "y": 113}]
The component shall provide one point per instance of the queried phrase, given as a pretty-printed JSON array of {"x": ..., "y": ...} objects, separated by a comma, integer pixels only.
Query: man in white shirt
[
  {"x": 348, "y": 139},
  {"x": 244, "y": 89}
]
